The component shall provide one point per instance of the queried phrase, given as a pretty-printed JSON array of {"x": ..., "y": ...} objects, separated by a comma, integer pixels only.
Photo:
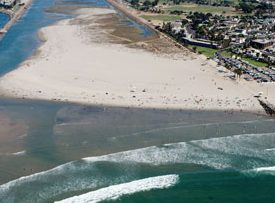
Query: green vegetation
[
  {"x": 249, "y": 60},
  {"x": 254, "y": 62},
  {"x": 227, "y": 54},
  {"x": 161, "y": 17},
  {"x": 246, "y": 7},
  {"x": 201, "y": 8},
  {"x": 209, "y": 52}
]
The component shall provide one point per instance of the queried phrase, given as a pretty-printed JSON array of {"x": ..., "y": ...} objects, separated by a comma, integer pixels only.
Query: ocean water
[
  {"x": 3, "y": 19},
  {"x": 58, "y": 152},
  {"x": 71, "y": 153}
]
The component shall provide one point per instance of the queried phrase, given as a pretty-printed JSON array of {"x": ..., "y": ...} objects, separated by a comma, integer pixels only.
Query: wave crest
[{"x": 116, "y": 191}]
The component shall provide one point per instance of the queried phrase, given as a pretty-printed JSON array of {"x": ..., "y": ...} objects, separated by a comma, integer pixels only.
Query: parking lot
[{"x": 249, "y": 71}]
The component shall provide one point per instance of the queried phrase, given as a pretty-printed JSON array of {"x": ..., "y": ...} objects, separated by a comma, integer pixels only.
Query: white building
[{"x": 7, "y": 3}]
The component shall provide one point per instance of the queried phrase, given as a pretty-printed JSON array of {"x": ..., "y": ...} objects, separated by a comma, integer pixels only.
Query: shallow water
[
  {"x": 22, "y": 41},
  {"x": 4, "y": 18},
  {"x": 213, "y": 153}
]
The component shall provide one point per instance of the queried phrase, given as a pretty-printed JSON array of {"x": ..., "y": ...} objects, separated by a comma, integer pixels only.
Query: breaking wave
[
  {"x": 218, "y": 153},
  {"x": 270, "y": 170},
  {"x": 239, "y": 152},
  {"x": 116, "y": 191}
]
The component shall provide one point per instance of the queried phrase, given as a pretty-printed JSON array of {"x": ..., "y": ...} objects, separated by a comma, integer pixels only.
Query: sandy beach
[{"x": 79, "y": 62}]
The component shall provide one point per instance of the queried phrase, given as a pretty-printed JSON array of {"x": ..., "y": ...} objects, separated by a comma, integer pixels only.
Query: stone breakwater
[{"x": 268, "y": 107}]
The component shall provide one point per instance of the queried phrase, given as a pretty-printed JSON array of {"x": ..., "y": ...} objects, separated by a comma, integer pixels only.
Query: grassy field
[
  {"x": 227, "y": 54},
  {"x": 211, "y": 52},
  {"x": 161, "y": 17},
  {"x": 249, "y": 60},
  {"x": 205, "y": 51},
  {"x": 254, "y": 62},
  {"x": 161, "y": 2},
  {"x": 202, "y": 8}
]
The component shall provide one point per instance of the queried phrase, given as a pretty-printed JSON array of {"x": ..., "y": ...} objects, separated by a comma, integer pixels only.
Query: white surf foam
[
  {"x": 21, "y": 153},
  {"x": 215, "y": 152},
  {"x": 116, "y": 191},
  {"x": 219, "y": 153},
  {"x": 270, "y": 170},
  {"x": 265, "y": 169}
]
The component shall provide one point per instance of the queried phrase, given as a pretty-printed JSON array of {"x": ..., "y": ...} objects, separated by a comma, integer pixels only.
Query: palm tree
[{"x": 238, "y": 72}]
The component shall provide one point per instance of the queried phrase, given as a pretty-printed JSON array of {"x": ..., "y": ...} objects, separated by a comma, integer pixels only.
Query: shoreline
[
  {"x": 16, "y": 85},
  {"x": 87, "y": 104},
  {"x": 14, "y": 17},
  {"x": 77, "y": 116}
]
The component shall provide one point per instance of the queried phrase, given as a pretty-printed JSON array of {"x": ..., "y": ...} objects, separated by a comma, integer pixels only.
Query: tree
[
  {"x": 246, "y": 7},
  {"x": 155, "y": 2},
  {"x": 238, "y": 72},
  {"x": 147, "y": 3},
  {"x": 134, "y": 2}
]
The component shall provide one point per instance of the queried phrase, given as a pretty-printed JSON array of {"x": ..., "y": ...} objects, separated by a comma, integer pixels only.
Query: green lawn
[
  {"x": 202, "y": 8},
  {"x": 209, "y": 52},
  {"x": 249, "y": 60},
  {"x": 227, "y": 54},
  {"x": 254, "y": 62},
  {"x": 161, "y": 17}
]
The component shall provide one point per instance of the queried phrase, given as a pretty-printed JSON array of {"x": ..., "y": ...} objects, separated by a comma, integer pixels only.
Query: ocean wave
[
  {"x": 116, "y": 191},
  {"x": 218, "y": 153},
  {"x": 267, "y": 170},
  {"x": 21, "y": 153},
  {"x": 64, "y": 178},
  {"x": 261, "y": 169},
  {"x": 239, "y": 152}
]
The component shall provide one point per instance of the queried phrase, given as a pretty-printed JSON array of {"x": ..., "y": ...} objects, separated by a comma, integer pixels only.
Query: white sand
[{"x": 68, "y": 68}]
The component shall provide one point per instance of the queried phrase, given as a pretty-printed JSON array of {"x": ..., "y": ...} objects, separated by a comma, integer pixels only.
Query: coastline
[
  {"x": 159, "y": 82},
  {"x": 15, "y": 16}
]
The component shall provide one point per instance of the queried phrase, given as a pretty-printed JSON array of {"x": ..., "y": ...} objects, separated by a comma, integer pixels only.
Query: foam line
[
  {"x": 116, "y": 191},
  {"x": 265, "y": 169},
  {"x": 19, "y": 153},
  {"x": 218, "y": 153}
]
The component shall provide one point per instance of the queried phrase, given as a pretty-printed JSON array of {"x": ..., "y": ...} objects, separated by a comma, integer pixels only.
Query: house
[
  {"x": 261, "y": 43},
  {"x": 7, "y": 3},
  {"x": 176, "y": 26},
  {"x": 200, "y": 42},
  {"x": 238, "y": 31}
]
